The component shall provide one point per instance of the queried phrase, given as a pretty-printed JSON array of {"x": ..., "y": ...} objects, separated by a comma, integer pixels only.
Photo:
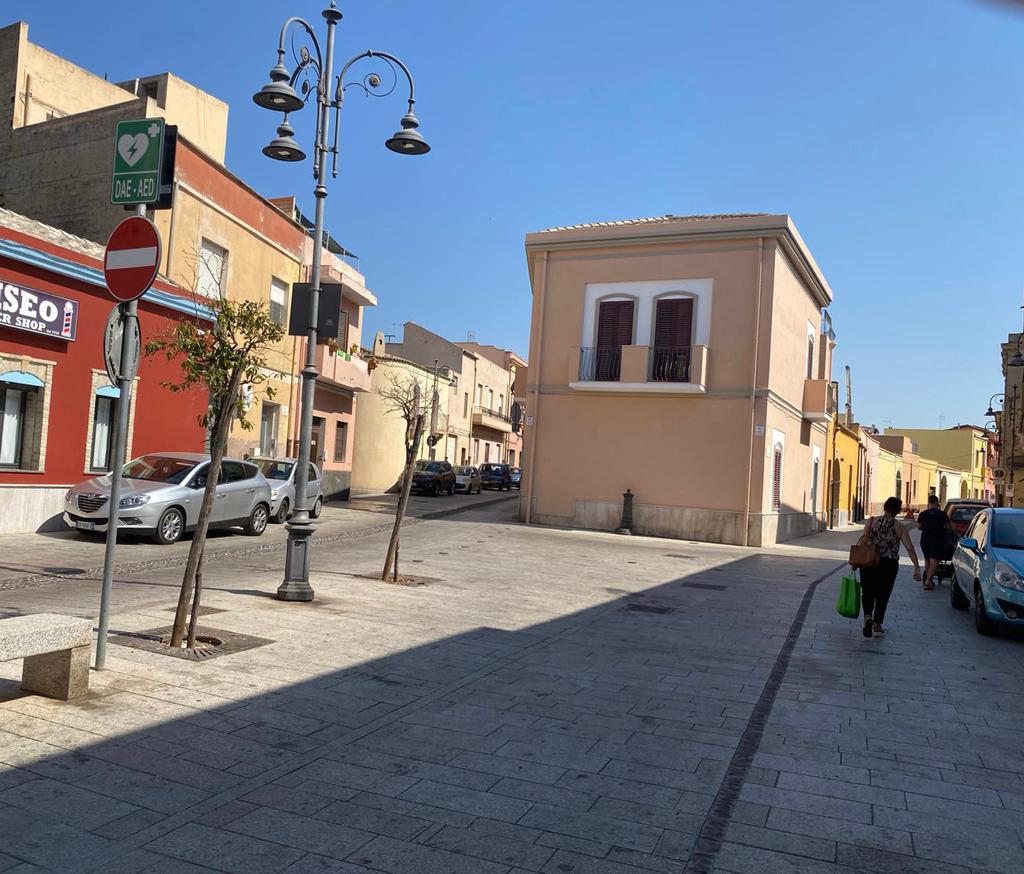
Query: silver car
[
  {"x": 280, "y": 473},
  {"x": 162, "y": 492},
  {"x": 467, "y": 479}
]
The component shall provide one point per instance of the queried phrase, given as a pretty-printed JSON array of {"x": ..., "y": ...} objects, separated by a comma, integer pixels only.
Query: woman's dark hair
[
  {"x": 892, "y": 505},
  {"x": 933, "y": 500}
]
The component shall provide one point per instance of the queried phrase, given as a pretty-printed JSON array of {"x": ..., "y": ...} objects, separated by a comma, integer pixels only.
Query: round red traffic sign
[{"x": 132, "y": 258}]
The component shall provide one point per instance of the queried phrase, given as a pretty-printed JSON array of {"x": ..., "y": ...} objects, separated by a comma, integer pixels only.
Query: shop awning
[{"x": 21, "y": 378}]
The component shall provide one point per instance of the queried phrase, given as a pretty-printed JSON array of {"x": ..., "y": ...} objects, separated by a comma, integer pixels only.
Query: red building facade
[{"x": 57, "y": 405}]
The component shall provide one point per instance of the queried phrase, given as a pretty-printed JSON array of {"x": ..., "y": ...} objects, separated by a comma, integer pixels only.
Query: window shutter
[
  {"x": 673, "y": 325},
  {"x": 810, "y": 357},
  {"x": 777, "y": 480},
  {"x": 615, "y": 323}
]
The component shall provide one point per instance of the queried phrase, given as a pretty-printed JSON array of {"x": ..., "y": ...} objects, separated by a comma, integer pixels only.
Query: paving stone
[
  {"x": 973, "y": 854},
  {"x": 627, "y": 790},
  {"x": 400, "y": 857},
  {"x": 551, "y": 755},
  {"x": 370, "y": 819},
  {"x": 144, "y": 790},
  {"x": 593, "y": 827},
  {"x": 962, "y": 810},
  {"x": 937, "y": 788},
  {"x": 225, "y": 851},
  {"x": 793, "y": 800},
  {"x": 882, "y": 862},
  {"x": 410, "y": 767},
  {"x": 839, "y": 830},
  {"x": 567, "y": 863},
  {"x": 644, "y": 861},
  {"x": 493, "y": 847},
  {"x": 69, "y": 804},
  {"x": 221, "y": 816},
  {"x": 556, "y": 796},
  {"x": 311, "y": 863},
  {"x": 678, "y": 820},
  {"x": 839, "y": 789},
  {"x": 750, "y": 860},
  {"x": 310, "y": 835},
  {"x": 411, "y": 808},
  {"x": 504, "y": 766},
  {"x": 783, "y": 842},
  {"x": 291, "y": 800},
  {"x": 129, "y": 825},
  {"x": 356, "y": 777},
  {"x": 489, "y": 804}
]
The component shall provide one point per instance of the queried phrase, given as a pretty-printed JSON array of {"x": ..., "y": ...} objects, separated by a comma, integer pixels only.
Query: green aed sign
[{"x": 138, "y": 155}]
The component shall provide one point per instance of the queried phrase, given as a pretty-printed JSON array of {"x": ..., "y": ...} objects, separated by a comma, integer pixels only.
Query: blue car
[{"x": 988, "y": 570}]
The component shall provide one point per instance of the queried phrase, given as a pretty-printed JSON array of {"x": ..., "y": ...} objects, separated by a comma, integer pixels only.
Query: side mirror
[
  {"x": 969, "y": 543},
  {"x": 199, "y": 482}
]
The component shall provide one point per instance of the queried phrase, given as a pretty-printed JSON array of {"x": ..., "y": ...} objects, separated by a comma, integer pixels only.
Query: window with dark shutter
[
  {"x": 673, "y": 328},
  {"x": 614, "y": 330},
  {"x": 777, "y": 479}
]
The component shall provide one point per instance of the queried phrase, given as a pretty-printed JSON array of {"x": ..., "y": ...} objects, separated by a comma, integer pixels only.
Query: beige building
[
  {"x": 220, "y": 237},
  {"x": 479, "y": 427},
  {"x": 378, "y": 451},
  {"x": 683, "y": 358}
]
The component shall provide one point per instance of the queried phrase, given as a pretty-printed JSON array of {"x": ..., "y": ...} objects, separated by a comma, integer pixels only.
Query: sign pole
[{"x": 129, "y": 314}]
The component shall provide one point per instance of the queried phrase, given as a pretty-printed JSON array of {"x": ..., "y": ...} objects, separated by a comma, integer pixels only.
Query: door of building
[
  {"x": 614, "y": 330},
  {"x": 673, "y": 328},
  {"x": 316, "y": 440},
  {"x": 269, "y": 418}
]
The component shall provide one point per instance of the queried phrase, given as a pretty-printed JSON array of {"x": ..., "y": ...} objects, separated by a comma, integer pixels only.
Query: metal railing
[
  {"x": 600, "y": 363},
  {"x": 669, "y": 364},
  {"x": 487, "y": 411}
]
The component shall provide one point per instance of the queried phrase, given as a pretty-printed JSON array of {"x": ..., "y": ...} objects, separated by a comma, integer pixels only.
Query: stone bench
[{"x": 55, "y": 649}]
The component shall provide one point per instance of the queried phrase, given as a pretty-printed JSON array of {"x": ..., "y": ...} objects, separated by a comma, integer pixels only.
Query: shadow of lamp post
[{"x": 315, "y": 71}]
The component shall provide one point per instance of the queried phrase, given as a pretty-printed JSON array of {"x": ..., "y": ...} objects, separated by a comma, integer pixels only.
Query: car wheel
[
  {"x": 283, "y": 511},
  {"x": 982, "y": 623},
  {"x": 170, "y": 527},
  {"x": 436, "y": 490},
  {"x": 258, "y": 519},
  {"x": 957, "y": 599},
  {"x": 317, "y": 509},
  {"x": 451, "y": 490}
]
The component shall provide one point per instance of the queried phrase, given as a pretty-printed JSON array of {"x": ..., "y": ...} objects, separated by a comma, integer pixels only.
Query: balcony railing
[
  {"x": 669, "y": 364},
  {"x": 494, "y": 414},
  {"x": 600, "y": 363}
]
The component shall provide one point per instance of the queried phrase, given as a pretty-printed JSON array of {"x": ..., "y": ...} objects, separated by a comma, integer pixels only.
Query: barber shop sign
[{"x": 27, "y": 309}]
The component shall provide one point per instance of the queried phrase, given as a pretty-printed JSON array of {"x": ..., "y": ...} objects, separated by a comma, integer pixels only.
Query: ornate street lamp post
[{"x": 279, "y": 94}]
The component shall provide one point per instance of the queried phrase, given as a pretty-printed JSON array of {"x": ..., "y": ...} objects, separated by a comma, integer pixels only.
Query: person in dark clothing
[
  {"x": 876, "y": 583},
  {"x": 935, "y": 531}
]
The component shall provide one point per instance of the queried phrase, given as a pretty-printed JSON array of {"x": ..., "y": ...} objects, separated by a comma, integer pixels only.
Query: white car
[
  {"x": 280, "y": 473},
  {"x": 467, "y": 479}
]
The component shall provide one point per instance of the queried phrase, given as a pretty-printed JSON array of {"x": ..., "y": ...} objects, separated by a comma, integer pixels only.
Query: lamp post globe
[{"x": 279, "y": 96}]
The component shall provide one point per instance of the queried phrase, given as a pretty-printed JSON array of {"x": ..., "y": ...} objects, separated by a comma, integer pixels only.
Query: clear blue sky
[{"x": 893, "y": 133}]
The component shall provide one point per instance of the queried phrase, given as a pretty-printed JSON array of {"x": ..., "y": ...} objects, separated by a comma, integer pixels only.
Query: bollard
[{"x": 626, "y": 525}]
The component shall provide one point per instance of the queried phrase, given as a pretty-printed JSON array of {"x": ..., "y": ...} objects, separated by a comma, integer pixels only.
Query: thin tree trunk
[
  {"x": 196, "y": 598},
  {"x": 220, "y": 434},
  {"x": 411, "y": 452}
]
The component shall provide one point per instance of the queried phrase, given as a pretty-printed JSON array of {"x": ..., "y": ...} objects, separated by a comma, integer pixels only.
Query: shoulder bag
[{"x": 864, "y": 553}]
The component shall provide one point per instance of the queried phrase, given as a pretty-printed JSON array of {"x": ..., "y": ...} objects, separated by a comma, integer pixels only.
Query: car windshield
[
  {"x": 277, "y": 470},
  {"x": 963, "y": 514},
  {"x": 430, "y": 466},
  {"x": 1008, "y": 531},
  {"x": 491, "y": 468},
  {"x": 464, "y": 471},
  {"x": 159, "y": 468}
]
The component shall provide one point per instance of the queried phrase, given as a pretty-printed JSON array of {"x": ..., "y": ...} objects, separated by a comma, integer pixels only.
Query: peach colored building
[{"x": 683, "y": 358}]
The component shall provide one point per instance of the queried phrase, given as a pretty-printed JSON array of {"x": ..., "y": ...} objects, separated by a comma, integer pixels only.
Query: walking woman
[{"x": 877, "y": 582}]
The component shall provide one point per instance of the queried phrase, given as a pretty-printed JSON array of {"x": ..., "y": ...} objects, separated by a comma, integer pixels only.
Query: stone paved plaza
[{"x": 548, "y": 701}]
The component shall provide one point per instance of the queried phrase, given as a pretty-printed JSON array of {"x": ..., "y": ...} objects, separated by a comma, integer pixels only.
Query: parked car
[
  {"x": 961, "y": 512},
  {"x": 467, "y": 479},
  {"x": 433, "y": 477},
  {"x": 280, "y": 473},
  {"x": 496, "y": 476},
  {"x": 988, "y": 569},
  {"x": 162, "y": 493},
  {"x": 517, "y": 476}
]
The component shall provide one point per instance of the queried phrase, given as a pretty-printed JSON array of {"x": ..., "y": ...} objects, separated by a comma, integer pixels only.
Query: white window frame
[
  {"x": 280, "y": 288},
  {"x": 205, "y": 282},
  {"x": 646, "y": 294}
]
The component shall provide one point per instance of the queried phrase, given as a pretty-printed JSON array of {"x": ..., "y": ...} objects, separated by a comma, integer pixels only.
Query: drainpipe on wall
[
  {"x": 753, "y": 390},
  {"x": 535, "y": 367}
]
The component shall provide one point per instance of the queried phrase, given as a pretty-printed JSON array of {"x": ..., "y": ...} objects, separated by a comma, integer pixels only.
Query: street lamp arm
[
  {"x": 369, "y": 84},
  {"x": 306, "y": 26}
]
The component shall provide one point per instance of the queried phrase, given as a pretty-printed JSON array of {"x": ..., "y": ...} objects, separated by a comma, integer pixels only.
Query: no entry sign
[{"x": 132, "y": 258}]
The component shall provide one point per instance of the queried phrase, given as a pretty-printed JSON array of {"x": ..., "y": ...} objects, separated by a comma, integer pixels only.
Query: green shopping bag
[{"x": 848, "y": 604}]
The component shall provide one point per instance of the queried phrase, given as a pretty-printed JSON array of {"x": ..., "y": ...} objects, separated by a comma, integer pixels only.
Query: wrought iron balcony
[
  {"x": 600, "y": 363},
  {"x": 669, "y": 364}
]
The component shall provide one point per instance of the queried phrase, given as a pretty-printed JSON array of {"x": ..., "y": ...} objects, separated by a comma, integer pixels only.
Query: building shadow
[{"x": 603, "y": 733}]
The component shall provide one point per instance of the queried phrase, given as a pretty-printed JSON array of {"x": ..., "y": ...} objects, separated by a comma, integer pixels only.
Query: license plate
[{"x": 86, "y": 526}]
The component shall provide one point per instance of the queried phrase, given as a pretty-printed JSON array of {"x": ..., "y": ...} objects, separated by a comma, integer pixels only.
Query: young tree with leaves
[{"x": 224, "y": 357}]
